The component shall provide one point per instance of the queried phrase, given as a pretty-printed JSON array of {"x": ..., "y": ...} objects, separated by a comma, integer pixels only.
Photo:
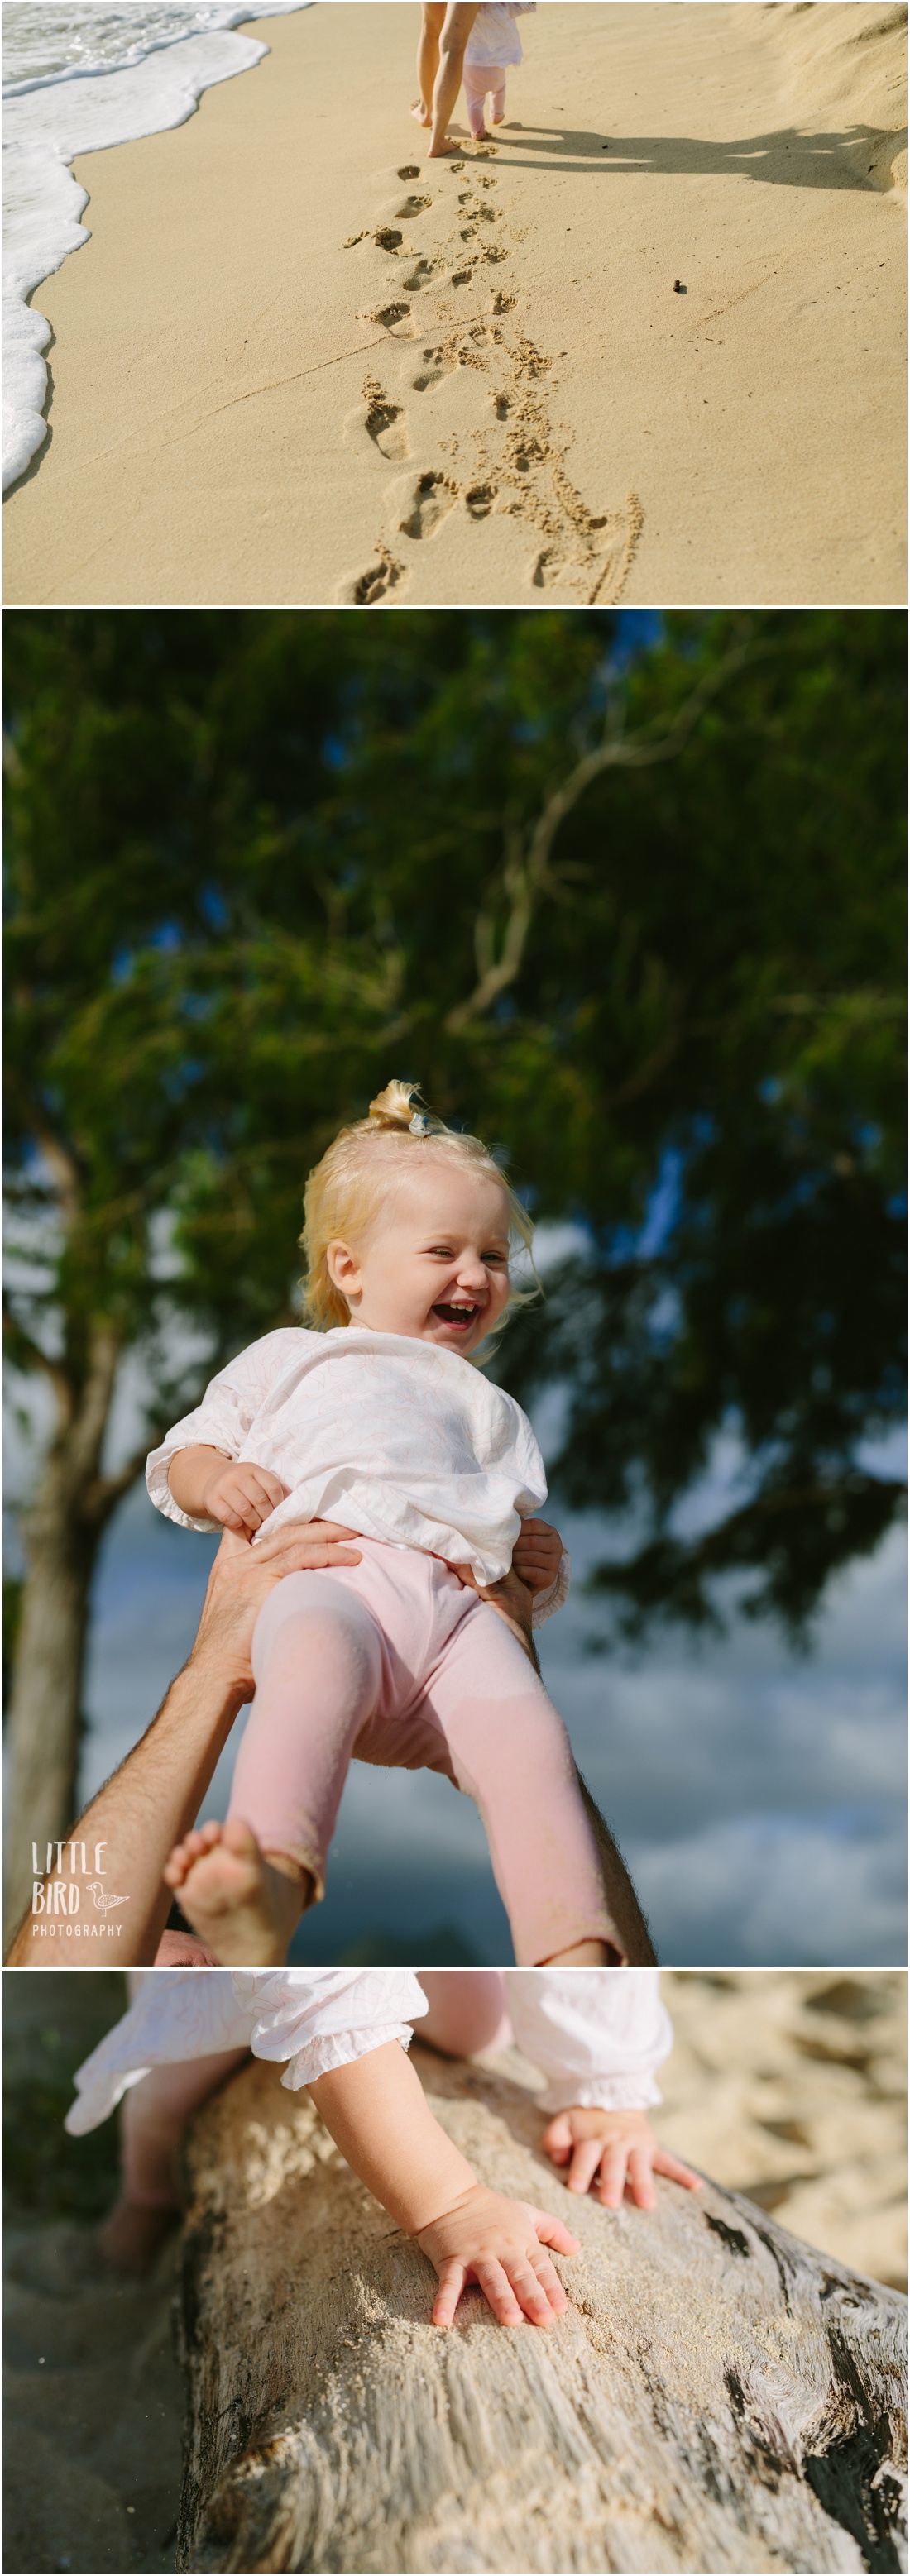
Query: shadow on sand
[{"x": 789, "y": 159}]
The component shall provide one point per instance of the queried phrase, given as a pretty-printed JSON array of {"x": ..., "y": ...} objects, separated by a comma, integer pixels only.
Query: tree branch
[{"x": 527, "y": 872}]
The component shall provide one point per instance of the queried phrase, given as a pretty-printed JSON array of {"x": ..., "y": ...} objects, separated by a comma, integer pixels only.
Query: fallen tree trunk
[{"x": 718, "y": 2395}]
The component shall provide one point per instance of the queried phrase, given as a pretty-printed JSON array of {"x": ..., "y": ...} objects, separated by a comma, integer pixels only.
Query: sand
[{"x": 298, "y": 364}]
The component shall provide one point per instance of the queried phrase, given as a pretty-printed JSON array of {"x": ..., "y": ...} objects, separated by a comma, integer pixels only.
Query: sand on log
[{"x": 717, "y": 2396}]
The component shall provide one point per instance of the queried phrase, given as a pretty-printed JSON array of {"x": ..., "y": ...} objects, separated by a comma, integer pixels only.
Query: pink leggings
[
  {"x": 397, "y": 1662},
  {"x": 482, "y": 80},
  {"x": 467, "y": 2012}
]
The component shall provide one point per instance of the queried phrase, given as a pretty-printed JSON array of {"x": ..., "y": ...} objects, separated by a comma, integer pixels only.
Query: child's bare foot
[
  {"x": 243, "y": 1902},
  {"x": 421, "y": 115},
  {"x": 130, "y": 2237}
]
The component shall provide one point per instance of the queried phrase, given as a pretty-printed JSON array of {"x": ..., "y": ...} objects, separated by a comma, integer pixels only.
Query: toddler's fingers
[
  {"x": 640, "y": 2184},
  {"x": 557, "y": 2139},
  {"x": 666, "y": 2164},
  {"x": 548, "y": 2278},
  {"x": 497, "y": 2288},
  {"x": 531, "y": 2293},
  {"x": 550, "y": 2231},
  {"x": 451, "y": 2284},
  {"x": 585, "y": 2161},
  {"x": 613, "y": 2174},
  {"x": 271, "y": 1485}
]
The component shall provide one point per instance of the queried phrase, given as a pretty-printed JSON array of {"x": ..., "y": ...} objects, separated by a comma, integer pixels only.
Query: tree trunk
[
  {"x": 44, "y": 1714},
  {"x": 718, "y": 2395},
  {"x": 62, "y": 1530}
]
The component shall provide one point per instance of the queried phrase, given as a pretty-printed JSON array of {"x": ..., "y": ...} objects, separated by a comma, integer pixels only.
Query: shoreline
[
  {"x": 240, "y": 415},
  {"x": 51, "y": 119}
]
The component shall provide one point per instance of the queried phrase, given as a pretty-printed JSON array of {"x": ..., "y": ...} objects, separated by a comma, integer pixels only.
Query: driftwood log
[{"x": 718, "y": 2395}]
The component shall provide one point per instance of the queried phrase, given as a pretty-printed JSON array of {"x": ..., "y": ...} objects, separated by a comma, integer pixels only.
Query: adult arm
[{"x": 151, "y": 1801}]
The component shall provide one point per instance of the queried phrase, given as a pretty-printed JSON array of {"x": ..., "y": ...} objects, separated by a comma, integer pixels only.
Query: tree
[{"x": 633, "y": 915}]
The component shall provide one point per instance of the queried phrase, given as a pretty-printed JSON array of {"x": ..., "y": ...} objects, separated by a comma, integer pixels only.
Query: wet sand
[{"x": 297, "y": 363}]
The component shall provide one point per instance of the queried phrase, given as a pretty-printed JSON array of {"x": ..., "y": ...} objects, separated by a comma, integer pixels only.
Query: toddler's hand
[
  {"x": 241, "y": 1497},
  {"x": 537, "y": 1555},
  {"x": 498, "y": 2243},
  {"x": 613, "y": 2152}
]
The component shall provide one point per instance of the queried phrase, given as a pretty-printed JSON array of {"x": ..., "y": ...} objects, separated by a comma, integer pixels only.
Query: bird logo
[{"x": 105, "y": 1904}]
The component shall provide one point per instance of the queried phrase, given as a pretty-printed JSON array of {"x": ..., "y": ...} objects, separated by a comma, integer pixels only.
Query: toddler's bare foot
[
  {"x": 130, "y": 2237},
  {"x": 421, "y": 115},
  {"x": 244, "y": 1903}
]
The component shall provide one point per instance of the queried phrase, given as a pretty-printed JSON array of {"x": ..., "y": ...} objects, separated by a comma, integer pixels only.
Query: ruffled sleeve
[
  {"x": 318, "y": 2026},
  {"x": 314, "y": 2018},
  {"x": 222, "y": 1420},
  {"x": 597, "y": 2034}
]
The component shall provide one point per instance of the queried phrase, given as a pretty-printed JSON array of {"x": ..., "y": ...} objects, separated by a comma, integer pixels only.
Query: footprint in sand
[
  {"x": 414, "y": 206},
  {"x": 365, "y": 588},
  {"x": 479, "y": 501},
  {"x": 502, "y": 405},
  {"x": 547, "y": 568},
  {"x": 434, "y": 497},
  {"x": 411, "y": 170},
  {"x": 387, "y": 423},
  {"x": 386, "y": 238},
  {"x": 422, "y": 275},
  {"x": 436, "y": 364},
  {"x": 397, "y": 319},
  {"x": 461, "y": 277}
]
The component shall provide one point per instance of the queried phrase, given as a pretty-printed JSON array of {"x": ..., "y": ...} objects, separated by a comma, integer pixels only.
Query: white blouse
[
  {"x": 385, "y": 1433},
  {"x": 597, "y": 2034},
  {"x": 494, "y": 37}
]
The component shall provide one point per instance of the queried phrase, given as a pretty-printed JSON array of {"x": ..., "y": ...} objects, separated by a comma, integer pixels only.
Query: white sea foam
[{"x": 76, "y": 79}]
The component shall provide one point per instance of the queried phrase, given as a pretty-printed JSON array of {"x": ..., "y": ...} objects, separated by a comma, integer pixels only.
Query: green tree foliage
[{"x": 638, "y": 920}]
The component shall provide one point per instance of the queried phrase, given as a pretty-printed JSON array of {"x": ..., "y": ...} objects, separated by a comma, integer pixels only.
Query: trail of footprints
[{"x": 513, "y": 463}]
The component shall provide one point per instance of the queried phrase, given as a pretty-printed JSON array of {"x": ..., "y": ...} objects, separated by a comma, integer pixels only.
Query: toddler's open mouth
[{"x": 460, "y": 1316}]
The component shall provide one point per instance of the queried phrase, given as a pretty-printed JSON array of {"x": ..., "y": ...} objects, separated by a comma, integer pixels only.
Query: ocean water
[{"x": 75, "y": 79}]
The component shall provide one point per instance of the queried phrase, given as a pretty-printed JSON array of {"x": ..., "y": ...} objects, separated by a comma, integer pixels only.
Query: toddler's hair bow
[{"x": 418, "y": 1126}]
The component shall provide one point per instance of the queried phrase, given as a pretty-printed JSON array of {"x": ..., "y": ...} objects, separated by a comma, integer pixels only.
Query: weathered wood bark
[{"x": 717, "y": 2395}]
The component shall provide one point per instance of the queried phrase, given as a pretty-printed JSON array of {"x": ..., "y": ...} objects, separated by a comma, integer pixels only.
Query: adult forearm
[
  {"x": 378, "y": 2115},
  {"x": 118, "y": 1846}
]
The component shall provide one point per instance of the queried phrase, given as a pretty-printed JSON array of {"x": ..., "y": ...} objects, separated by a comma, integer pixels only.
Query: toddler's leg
[
  {"x": 153, "y": 2117},
  {"x": 509, "y": 1750},
  {"x": 498, "y": 96},
  {"x": 467, "y": 2012},
  {"x": 475, "y": 78},
  {"x": 317, "y": 1659}
]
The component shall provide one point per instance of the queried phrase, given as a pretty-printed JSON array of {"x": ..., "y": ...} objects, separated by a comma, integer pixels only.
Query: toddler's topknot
[{"x": 345, "y": 1190}]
